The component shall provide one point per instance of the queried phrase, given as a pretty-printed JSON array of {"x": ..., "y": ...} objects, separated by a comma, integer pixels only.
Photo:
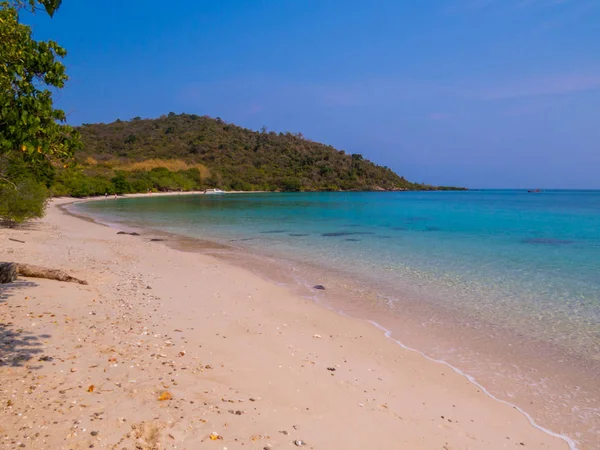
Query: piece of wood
[
  {"x": 16, "y": 240},
  {"x": 8, "y": 272},
  {"x": 29, "y": 270}
]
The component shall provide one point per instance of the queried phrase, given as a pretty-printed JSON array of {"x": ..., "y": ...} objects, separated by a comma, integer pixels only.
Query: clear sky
[{"x": 482, "y": 93}]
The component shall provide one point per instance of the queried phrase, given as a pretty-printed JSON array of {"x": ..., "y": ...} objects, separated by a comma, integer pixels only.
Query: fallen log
[
  {"x": 10, "y": 270},
  {"x": 28, "y": 270}
]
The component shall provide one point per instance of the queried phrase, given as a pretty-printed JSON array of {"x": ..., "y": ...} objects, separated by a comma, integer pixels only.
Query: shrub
[
  {"x": 121, "y": 185},
  {"x": 25, "y": 201}
]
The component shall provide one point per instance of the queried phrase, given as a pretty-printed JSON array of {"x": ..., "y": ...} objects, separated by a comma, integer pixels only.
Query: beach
[{"x": 165, "y": 349}]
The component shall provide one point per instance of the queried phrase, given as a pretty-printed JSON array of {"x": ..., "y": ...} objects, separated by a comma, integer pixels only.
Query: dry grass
[{"x": 171, "y": 164}]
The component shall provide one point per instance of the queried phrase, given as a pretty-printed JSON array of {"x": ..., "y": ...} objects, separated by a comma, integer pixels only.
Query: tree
[
  {"x": 31, "y": 129},
  {"x": 120, "y": 183},
  {"x": 29, "y": 122}
]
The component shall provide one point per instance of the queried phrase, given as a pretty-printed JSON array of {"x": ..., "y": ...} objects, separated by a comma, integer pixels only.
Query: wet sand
[{"x": 167, "y": 349}]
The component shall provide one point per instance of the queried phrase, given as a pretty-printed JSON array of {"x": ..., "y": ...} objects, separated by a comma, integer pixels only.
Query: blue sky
[{"x": 482, "y": 93}]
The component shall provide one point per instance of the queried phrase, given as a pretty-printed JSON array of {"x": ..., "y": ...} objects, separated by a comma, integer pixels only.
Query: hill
[{"x": 187, "y": 151}]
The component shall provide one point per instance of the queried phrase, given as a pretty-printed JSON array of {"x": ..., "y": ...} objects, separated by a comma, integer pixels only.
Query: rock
[
  {"x": 8, "y": 272},
  {"x": 156, "y": 240},
  {"x": 331, "y": 369},
  {"x": 130, "y": 234},
  {"x": 299, "y": 443},
  {"x": 320, "y": 287}
]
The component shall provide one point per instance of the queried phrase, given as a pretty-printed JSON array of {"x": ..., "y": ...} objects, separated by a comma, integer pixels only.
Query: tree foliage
[
  {"x": 33, "y": 136},
  {"x": 237, "y": 158},
  {"x": 50, "y": 6},
  {"x": 78, "y": 182},
  {"x": 29, "y": 123}
]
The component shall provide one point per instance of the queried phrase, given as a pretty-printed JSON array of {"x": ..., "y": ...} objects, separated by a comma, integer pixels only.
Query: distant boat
[
  {"x": 214, "y": 191},
  {"x": 535, "y": 191}
]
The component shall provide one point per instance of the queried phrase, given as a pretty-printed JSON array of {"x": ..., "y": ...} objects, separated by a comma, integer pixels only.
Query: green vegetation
[
  {"x": 26, "y": 201},
  {"x": 75, "y": 182},
  {"x": 33, "y": 136},
  {"x": 184, "y": 152}
]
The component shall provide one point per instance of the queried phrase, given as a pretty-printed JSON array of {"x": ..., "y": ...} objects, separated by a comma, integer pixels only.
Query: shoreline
[
  {"x": 427, "y": 395},
  {"x": 548, "y": 382},
  {"x": 70, "y": 200},
  {"x": 406, "y": 327}
]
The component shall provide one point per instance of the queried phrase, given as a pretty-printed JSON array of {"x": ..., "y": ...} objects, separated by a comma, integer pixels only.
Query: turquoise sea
[{"x": 502, "y": 285}]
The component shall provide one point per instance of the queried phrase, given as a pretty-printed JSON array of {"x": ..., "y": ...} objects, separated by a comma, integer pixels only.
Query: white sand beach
[{"x": 166, "y": 349}]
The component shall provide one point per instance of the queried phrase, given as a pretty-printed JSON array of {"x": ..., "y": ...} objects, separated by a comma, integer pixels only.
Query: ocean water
[{"x": 503, "y": 285}]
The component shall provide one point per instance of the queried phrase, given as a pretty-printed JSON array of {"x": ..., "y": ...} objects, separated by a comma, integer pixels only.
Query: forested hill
[{"x": 228, "y": 156}]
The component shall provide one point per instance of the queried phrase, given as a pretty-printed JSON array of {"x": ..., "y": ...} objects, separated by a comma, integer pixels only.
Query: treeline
[
  {"x": 75, "y": 183},
  {"x": 216, "y": 154}
]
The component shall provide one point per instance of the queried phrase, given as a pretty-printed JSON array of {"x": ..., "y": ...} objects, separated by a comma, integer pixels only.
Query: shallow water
[{"x": 506, "y": 284}]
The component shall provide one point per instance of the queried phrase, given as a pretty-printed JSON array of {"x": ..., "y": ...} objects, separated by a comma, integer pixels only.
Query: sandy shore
[{"x": 176, "y": 350}]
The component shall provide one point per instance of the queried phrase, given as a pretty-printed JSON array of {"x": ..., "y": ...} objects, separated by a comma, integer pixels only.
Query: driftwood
[
  {"x": 9, "y": 272},
  {"x": 28, "y": 270}
]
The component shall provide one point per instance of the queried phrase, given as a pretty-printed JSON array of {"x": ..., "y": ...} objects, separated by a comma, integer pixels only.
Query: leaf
[
  {"x": 165, "y": 396},
  {"x": 91, "y": 388},
  {"x": 51, "y": 6}
]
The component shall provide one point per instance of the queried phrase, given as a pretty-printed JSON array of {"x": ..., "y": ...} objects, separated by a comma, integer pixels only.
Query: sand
[{"x": 179, "y": 350}]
